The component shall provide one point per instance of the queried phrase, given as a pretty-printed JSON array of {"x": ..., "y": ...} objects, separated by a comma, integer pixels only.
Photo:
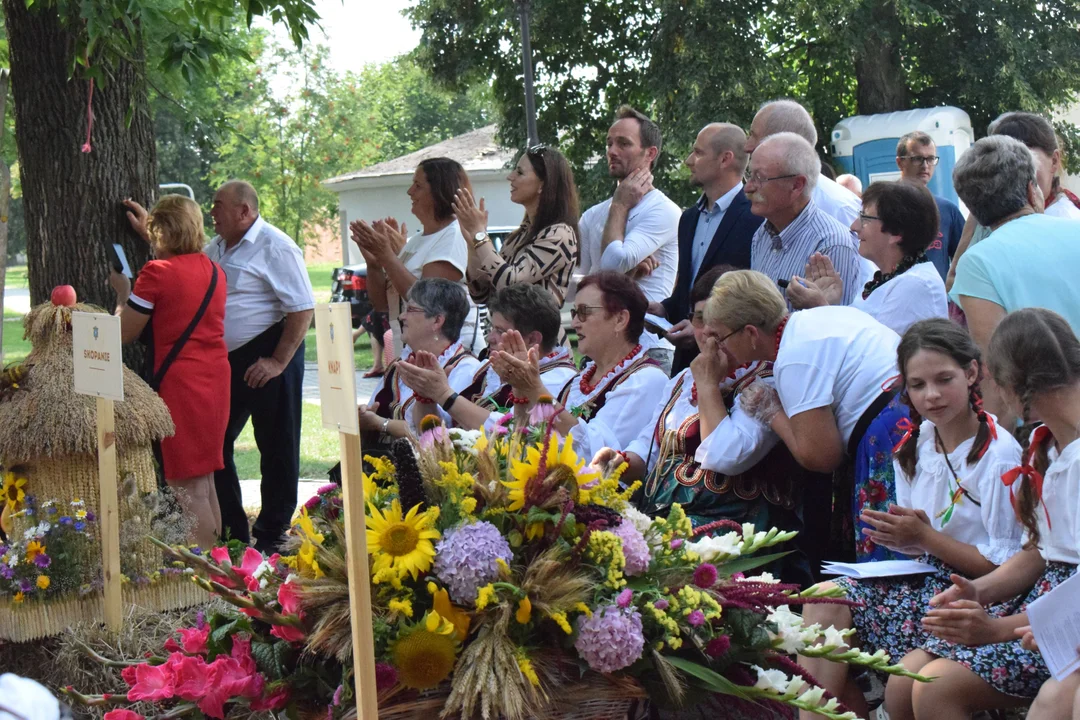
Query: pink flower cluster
[
  {"x": 248, "y": 565},
  {"x": 209, "y": 685}
]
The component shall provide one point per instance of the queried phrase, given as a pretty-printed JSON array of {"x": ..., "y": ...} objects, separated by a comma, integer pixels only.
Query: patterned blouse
[{"x": 548, "y": 260}]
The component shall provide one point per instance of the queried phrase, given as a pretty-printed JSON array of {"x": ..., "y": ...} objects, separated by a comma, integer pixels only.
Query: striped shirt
[
  {"x": 547, "y": 260},
  {"x": 781, "y": 255}
]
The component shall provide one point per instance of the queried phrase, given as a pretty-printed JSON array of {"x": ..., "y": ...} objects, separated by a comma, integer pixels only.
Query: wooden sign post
[
  {"x": 99, "y": 371},
  {"x": 337, "y": 396}
]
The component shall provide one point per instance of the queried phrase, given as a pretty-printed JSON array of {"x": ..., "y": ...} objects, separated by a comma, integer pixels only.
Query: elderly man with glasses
[
  {"x": 916, "y": 156},
  {"x": 780, "y": 181}
]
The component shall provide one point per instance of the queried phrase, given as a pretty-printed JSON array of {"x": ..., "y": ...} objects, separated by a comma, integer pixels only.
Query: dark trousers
[{"x": 274, "y": 410}]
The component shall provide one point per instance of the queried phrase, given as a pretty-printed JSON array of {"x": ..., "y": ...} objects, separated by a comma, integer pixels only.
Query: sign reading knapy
[
  {"x": 99, "y": 367},
  {"x": 337, "y": 376}
]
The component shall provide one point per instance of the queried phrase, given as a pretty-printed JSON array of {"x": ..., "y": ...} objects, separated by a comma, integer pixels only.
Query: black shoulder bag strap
[{"x": 155, "y": 382}]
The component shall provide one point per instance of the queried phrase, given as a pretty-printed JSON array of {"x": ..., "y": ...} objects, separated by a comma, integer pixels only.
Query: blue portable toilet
[{"x": 865, "y": 145}]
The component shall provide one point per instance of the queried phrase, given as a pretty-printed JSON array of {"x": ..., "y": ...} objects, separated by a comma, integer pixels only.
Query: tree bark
[
  {"x": 73, "y": 199},
  {"x": 882, "y": 86}
]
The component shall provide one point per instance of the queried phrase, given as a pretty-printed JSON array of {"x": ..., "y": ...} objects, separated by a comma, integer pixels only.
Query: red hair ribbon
[
  {"x": 1040, "y": 436},
  {"x": 892, "y": 383},
  {"x": 908, "y": 429}
]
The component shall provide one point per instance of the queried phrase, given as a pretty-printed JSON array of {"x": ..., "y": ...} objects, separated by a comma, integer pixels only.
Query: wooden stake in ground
[
  {"x": 337, "y": 396},
  {"x": 99, "y": 371}
]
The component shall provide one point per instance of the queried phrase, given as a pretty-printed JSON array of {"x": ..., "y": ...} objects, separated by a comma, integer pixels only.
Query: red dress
[{"x": 196, "y": 386}]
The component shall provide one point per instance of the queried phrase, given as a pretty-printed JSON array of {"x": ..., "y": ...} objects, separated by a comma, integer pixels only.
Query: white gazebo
[{"x": 379, "y": 191}]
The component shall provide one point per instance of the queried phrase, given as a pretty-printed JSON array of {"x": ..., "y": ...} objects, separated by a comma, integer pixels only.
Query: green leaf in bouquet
[
  {"x": 284, "y": 658},
  {"x": 266, "y": 660},
  {"x": 745, "y": 564},
  {"x": 709, "y": 678},
  {"x": 741, "y": 623},
  {"x": 218, "y": 635},
  {"x": 759, "y": 638}
]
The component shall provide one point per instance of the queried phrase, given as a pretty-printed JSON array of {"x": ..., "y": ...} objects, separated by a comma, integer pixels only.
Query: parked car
[{"x": 349, "y": 283}]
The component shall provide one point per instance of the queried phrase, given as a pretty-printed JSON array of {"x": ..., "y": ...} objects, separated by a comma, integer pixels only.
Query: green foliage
[{"x": 690, "y": 62}]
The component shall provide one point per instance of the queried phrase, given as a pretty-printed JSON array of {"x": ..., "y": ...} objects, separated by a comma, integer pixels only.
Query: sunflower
[
  {"x": 33, "y": 549},
  {"x": 13, "y": 492},
  {"x": 559, "y": 462},
  {"x": 311, "y": 539},
  {"x": 402, "y": 544},
  {"x": 424, "y": 654}
]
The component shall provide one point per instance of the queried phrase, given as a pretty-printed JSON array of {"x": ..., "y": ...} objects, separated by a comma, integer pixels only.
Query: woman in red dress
[{"x": 170, "y": 291}]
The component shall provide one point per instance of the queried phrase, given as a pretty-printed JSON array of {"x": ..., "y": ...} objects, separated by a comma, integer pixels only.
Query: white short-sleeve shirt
[
  {"x": 266, "y": 278},
  {"x": 836, "y": 357},
  {"x": 914, "y": 295},
  {"x": 1059, "y": 540},
  {"x": 991, "y": 526},
  {"x": 652, "y": 230},
  {"x": 1062, "y": 207},
  {"x": 446, "y": 245},
  {"x": 459, "y": 379}
]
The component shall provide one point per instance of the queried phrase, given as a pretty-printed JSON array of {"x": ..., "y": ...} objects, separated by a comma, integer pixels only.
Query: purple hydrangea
[
  {"x": 611, "y": 639},
  {"x": 634, "y": 548},
  {"x": 465, "y": 559}
]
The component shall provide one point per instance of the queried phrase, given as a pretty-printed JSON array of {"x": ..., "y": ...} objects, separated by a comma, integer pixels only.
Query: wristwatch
[{"x": 479, "y": 239}]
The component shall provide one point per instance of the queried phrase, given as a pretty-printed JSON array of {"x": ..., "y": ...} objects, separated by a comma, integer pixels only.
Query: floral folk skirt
[{"x": 1007, "y": 667}]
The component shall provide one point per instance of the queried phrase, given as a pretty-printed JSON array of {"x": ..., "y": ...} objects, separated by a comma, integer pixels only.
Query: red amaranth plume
[{"x": 716, "y": 525}]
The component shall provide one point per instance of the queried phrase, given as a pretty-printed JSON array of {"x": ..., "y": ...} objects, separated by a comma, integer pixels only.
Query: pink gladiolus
[
  {"x": 288, "y": 596},
  {"x": 152, "y": 682},
  {"x": 288, "y": 633},
  {"x": 172, "y": 646},
  {"x": 274, "y": 701},
  {"x": 128, "y": 674},
  {"x": 220, "y": 555},
  {"x": 241, "y": 652},
  {"x": 123, "y": 714},
  {"x": 194, "y": 639},
  {"x": 191, "y": 675},
  {"x": 248, "y": 564}
]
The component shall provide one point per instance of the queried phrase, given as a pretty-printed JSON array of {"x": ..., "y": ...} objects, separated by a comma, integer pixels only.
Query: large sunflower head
[
  {"x": 424, "y": 654},
  {"x": 402, "y": 543},
  {"x": 562, "y": 470},
  {"x": 12, "y": 492}
]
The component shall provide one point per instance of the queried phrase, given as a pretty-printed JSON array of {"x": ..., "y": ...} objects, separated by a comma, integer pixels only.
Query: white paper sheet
[
  {"x": 879, "y": 568},
  {"x": 657, "y": 321},
  {"x": 1055, "y": 622}
]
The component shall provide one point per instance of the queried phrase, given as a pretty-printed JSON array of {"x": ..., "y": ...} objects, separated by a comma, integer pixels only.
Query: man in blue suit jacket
[{"x": 716, "y": 230}]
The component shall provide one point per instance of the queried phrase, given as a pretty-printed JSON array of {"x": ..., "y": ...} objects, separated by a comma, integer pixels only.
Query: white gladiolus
[
  {"x": 773, "y": 681},
  {"x": 835, "y": 638},
  {"x": 723, "y": 547}
]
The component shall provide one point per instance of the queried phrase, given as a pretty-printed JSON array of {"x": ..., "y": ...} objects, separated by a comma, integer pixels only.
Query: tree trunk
[
  {"x": 880, "y": 77},
  {"x": 73, "y": 199}
]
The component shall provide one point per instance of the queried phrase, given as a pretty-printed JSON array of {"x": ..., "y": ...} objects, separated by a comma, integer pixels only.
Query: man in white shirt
[
  {"x": 636, "y": 230},
  {"x": 268, "y": 310}
]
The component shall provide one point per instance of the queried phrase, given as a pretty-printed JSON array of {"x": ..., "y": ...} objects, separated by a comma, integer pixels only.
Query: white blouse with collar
[
  {"x": 1059, "y": 541},
  {"x": 992, "y": 526}
]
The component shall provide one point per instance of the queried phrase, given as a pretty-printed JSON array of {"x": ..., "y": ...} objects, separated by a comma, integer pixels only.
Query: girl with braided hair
[
  {"x": 951, "y": 508},
  {"x": 1034, "y": 358}
]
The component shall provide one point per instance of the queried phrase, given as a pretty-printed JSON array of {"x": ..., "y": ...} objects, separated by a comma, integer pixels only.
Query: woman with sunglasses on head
[
  {"x": 700, "y": 449},
  {"x": 396, "y": 261},
  {"x": 431, "y": 327},
  {"x": 1034, "y": 357},
  {"x": 611, "y": 399},
  {"x": 951, "y": 508},
  {"x": 898, "y": 222},
  {"x": 544, "y": 249},
  {"x": 835, "y": 401}
]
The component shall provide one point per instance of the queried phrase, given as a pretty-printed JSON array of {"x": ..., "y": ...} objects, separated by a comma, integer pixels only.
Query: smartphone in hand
[{"x": 118, "y": 259}]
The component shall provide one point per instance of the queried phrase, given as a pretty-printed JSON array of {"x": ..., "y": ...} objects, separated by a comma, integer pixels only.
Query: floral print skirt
[
  {"x": 890, "y": 617},
  {"x": 1007, "y": 667}
]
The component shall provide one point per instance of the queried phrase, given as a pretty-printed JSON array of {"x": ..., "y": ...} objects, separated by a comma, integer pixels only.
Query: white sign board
[
  {"x": 337, "y": 375},
  {"x": 99, "y": 367}
]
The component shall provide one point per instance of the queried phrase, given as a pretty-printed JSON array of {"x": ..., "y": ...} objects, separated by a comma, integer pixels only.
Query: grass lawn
[
  {"x": 16, "y": 277},
  {"x": 15, "y": 348},
  {"x": 318, "y": 447}
]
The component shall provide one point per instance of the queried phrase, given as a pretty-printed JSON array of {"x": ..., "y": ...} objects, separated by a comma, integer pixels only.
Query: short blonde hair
[
  {"x": 176, "y": 226},
  {"x": 745, "y": 297}
]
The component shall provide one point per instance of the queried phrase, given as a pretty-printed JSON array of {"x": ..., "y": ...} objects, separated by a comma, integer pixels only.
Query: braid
[
  {"x": 908, "y": 453},
  {"x": 1026, "y": 502},
  {"x": 880, "y": 278},
  {"x": 983, "y": 436}
]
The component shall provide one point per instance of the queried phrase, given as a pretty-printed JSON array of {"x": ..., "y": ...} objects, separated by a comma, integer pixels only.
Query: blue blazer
[{"x": 730, "y": 246}]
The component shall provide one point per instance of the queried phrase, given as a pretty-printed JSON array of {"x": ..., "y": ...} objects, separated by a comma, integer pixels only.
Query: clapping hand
[
  {"x": 961, "y": 622},
  {"x": 633, "y": 187},
  {"x": 522, "y": 374},
  {"x": 424, "y": 376},
  {"x": 711, "y": 366},
  {"x": 473, "y": 219},
  {"x": 820, "y": 271},
  {"x": 378, "y": 241},
  {"x": 901, "y": 529}
]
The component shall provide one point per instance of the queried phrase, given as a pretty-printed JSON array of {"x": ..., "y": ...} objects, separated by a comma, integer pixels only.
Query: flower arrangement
[
  {"x": 54, "y": 556},
  {"x": 502, "y": 570}
]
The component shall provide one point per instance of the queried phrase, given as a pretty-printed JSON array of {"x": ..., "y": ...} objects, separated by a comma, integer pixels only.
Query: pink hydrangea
[
  {"x": 635, "y": 548},
  {"x": 611, "y": 639}
]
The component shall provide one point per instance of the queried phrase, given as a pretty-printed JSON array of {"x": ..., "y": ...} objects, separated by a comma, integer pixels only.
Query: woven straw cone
[
  {"x": 51, "y": 432},
  {"x": 35, "y": 620}
]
